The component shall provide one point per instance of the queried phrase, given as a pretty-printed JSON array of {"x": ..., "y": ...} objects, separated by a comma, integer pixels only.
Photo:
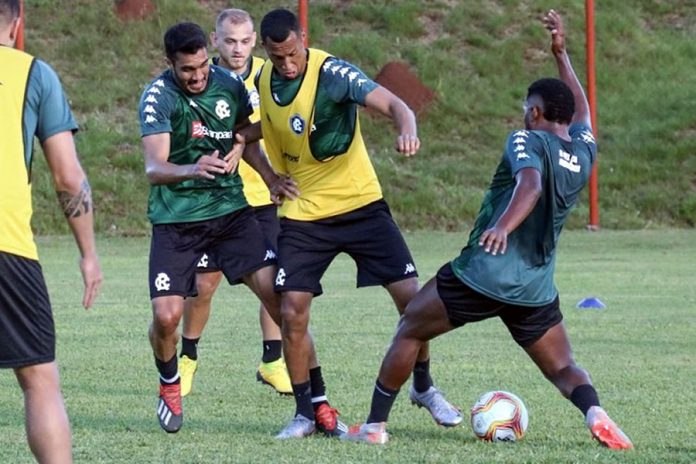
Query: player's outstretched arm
[
  {"x": 554, "y": 23},
  {"x": 382, "y": 100},
  {"x": 75, "y": 197}
]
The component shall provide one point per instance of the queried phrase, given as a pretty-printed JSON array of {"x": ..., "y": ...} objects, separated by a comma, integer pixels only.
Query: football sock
[
  {"x": 168, "y": 371},
  {"x": 382, "y": 401},
  {"x": 303, "y": 399},
  {"x": 421, "y": 376},
  {"x": 318, "y": 388},
  {"x": 271, "y": 350},
  {"x": 189, "y": 347},
  {"x": 584, "y": 397}
]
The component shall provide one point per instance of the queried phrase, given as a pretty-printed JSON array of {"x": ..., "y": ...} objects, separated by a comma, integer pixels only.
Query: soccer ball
[{"x": 499, "y": 416}]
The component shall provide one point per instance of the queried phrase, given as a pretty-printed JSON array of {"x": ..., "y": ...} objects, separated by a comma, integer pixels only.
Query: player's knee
[
  {"x": 294, "y": 318},
  {"x": 165, "y": 321},
  {"x": 407, "y": 328}
]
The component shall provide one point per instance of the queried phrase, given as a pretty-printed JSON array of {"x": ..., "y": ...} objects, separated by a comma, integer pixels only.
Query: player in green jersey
[
  {"x": 506, "y": 269},
  {"x": 309, "y": 118},
  {"x": 234, "y": 38},
  {"x": 190, "y": 118}
]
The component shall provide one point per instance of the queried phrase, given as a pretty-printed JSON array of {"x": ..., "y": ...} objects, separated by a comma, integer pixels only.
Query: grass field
[{"x": 640, "y": 352}]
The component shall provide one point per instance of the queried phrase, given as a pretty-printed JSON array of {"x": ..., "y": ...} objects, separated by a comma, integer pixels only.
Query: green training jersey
[
  {"x": 524, "y": 274},
  {"x": 198, "y": 125}
]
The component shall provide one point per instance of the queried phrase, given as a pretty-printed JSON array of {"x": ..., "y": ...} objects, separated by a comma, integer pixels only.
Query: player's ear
[
  {"x": 537, "y": 113},
  {"x": 213, "y": 38},
  {"x": 14, "y": 29}
]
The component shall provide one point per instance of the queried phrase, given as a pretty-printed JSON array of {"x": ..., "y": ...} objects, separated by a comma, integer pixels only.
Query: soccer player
[
  {"x": 234, "y": 38},
  {"x": 506, "y": 269},
  {"x": 310, "y": 125},
  {"x": 190, "y": 116},
  {"x": 32, "y": 103}
]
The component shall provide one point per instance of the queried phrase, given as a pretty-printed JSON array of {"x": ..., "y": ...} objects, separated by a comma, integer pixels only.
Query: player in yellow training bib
[
  {"x": 32, "y": 104},
  {"x": 311, "y": 128}
]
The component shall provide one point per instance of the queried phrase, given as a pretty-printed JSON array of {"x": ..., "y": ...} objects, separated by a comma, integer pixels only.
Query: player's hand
[
  {"x": 92, "y": 278},
  {"x": 494, "y": 241},
  {"x": 232, "y": 158},
  {"x": 554, "y": 23},
  {"x": 283, "y": 187},
  {"x": 208, "y": 166},
  {"x": 407, "y": 144}
]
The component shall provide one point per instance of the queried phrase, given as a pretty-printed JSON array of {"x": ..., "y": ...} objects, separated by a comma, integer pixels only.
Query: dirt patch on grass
[
  {"x": 398, "y": 78},
  {"x": 133, "y": 10}
]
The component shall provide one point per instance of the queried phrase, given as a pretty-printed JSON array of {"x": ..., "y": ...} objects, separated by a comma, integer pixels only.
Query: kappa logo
[
  {"x": 149, "y": 119},
  {"x": 222, "y": 109},
  {"x": 197, "y": 131},
  {"x": 587, "y": 137},
  {"x": 151, "y": 99},
  {"x": 410, "y": 269},
  {"x": 297, "y": 124},
  {"x": 162, "y": 282},
  {"x": 203, "y": 262},
  {"x": 280, "y": 277},
  {"x": 270, "y": 254}
]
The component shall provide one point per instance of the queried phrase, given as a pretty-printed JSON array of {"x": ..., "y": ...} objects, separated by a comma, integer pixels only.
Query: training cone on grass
[{"x": 590, "y": 302}]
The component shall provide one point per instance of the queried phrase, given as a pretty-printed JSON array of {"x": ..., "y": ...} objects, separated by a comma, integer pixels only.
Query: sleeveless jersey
[
  {"x": 255, "y": 189},
  {"x": 198, "y": 125},
  {"x": 524, "y": 274},
  {"x": 332, "y": 169},
  {"x": 32, "y": 103}
]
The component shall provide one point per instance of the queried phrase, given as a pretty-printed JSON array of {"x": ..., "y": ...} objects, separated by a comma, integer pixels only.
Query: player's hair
[
  {"x": 233, "y": 15},
  {"x": 184, "y": 38},
  {"x": 558, "y": 100},
  {"x": 9, "y": 9},
  {"x": 278, "y": 24}
]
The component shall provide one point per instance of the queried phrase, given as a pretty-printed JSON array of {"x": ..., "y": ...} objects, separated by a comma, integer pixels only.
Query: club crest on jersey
[
  {"x": 197, "y": 131},
  {"x": 222, "y": 109},
  {"x": 297, "y": 124},
  {"x": 254, "y": 98}
]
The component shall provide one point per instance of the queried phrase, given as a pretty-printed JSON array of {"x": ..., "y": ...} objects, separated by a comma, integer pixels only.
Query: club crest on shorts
[
  {"x": 297, "y": 124},
  {"x": 280, "y": 277},
  {"x": 162, "y": 282}
]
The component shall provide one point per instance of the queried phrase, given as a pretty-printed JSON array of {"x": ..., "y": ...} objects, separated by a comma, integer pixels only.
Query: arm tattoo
[{"x": 76, "y": 205}]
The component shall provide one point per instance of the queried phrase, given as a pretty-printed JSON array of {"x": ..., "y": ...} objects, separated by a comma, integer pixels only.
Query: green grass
[
  {"x": 478, "y": 56},
  {"x": 639, "y": 352}
]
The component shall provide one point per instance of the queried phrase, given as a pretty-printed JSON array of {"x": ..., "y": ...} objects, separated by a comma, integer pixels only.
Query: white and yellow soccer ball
[{"x": 499, "y": 416}]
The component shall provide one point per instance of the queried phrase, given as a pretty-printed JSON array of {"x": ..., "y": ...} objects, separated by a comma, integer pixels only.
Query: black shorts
[
  {"x": 27, "y": 332},
  {"x": 235, "y": 241},
  {"x": 369, "y": 235},
  {"x": 267, "y": 217},
  {"x": 526, "y": 324}
]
